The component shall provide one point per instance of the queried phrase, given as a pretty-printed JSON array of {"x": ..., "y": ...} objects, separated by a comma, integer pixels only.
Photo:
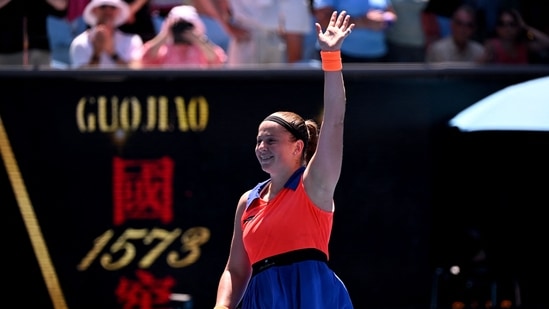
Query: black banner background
[{"x": 383, "y": 232}]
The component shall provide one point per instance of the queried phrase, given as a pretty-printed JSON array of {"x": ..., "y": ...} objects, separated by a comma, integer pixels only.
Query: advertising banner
[{"x": 119, "y": 190}]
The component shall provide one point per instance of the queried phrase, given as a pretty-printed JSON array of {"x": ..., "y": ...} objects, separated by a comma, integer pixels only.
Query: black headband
[{"x": 290, "y": 127}]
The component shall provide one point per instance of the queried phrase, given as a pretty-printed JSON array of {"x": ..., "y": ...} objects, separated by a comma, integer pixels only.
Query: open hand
[{"x": 338, "y": 29}]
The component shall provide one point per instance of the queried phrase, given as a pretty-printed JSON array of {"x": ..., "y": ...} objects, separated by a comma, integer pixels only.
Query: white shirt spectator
[
  {"x": 104, "y": 45},
  {"x": 127, "y": 46}
]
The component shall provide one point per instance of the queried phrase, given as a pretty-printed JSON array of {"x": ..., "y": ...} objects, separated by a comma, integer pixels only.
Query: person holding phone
[{"x": 182, "y": 41}]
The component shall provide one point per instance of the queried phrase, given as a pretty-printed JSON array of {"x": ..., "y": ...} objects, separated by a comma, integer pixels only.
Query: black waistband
[{"x": 289, "y": 258}]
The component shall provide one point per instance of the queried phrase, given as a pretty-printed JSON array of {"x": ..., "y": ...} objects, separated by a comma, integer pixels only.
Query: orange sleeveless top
[{"x": 288, "y": 222}]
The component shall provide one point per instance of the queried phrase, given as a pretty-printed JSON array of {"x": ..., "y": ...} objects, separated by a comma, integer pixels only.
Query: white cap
[
  {"x": 188, "y": 13},
  {"x": 123, "y": 11}
]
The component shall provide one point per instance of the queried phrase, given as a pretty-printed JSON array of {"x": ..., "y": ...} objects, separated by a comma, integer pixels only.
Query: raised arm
[
  {"x": 323, "y": 171},
  {"x": 538, "y": 41}
]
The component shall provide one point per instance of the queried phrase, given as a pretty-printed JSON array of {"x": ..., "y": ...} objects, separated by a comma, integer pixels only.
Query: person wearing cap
[
  {"x": 104, "y": 45},
  {"x": 182, "y": 41}
]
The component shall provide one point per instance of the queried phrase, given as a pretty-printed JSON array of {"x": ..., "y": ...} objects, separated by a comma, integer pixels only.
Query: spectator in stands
[
  {"x": 213, "y": 13},
  {"x": 405, "y": 38},
  {"x": 437, "y": 18},
  {"x": 459, "y": 46},
  {"x": 371, "y": 19},
  {"x": 160, "y": 9},
  {"x": 515, "y": 42},
  {"x": 63, "y": 29},
  {"x": 104, "y": 45},
  {"x": 274, "y": 31},
  {"x": 182, "y": 41},
  {"x": 23, "y": 31}
]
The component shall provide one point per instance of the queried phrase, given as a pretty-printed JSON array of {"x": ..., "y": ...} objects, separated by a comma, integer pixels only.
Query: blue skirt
[{"x": 302, "y": 285}]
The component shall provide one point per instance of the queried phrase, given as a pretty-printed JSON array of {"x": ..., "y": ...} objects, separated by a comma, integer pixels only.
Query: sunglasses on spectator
[
  {"x": 105, "y": 6},
  {"x": 462, "y": 23}
]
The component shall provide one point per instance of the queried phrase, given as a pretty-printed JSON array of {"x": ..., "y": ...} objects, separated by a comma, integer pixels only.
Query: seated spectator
[
  {"x": 182, "y": 41},
  {"x": 459, "y": 46},
  {"x": 213, "y": 13},
  {"x": 104, "y": 45},
  {"x": 515, "y": 42}
]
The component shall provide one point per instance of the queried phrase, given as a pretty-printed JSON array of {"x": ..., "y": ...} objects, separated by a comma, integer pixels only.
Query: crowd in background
[{"x": 67, "y": 34}]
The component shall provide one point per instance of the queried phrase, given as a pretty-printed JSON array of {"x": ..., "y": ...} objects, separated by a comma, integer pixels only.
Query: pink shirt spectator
[
  {"x": 180, "y": 54},
  {"x": 502, "y": 55},
  {"x": 182, "y": 41}
]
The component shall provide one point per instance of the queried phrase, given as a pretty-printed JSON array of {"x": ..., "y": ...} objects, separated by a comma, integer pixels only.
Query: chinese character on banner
[
  {"x": 146, "y": 292},
  {"x": 143, "y": 189}
]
